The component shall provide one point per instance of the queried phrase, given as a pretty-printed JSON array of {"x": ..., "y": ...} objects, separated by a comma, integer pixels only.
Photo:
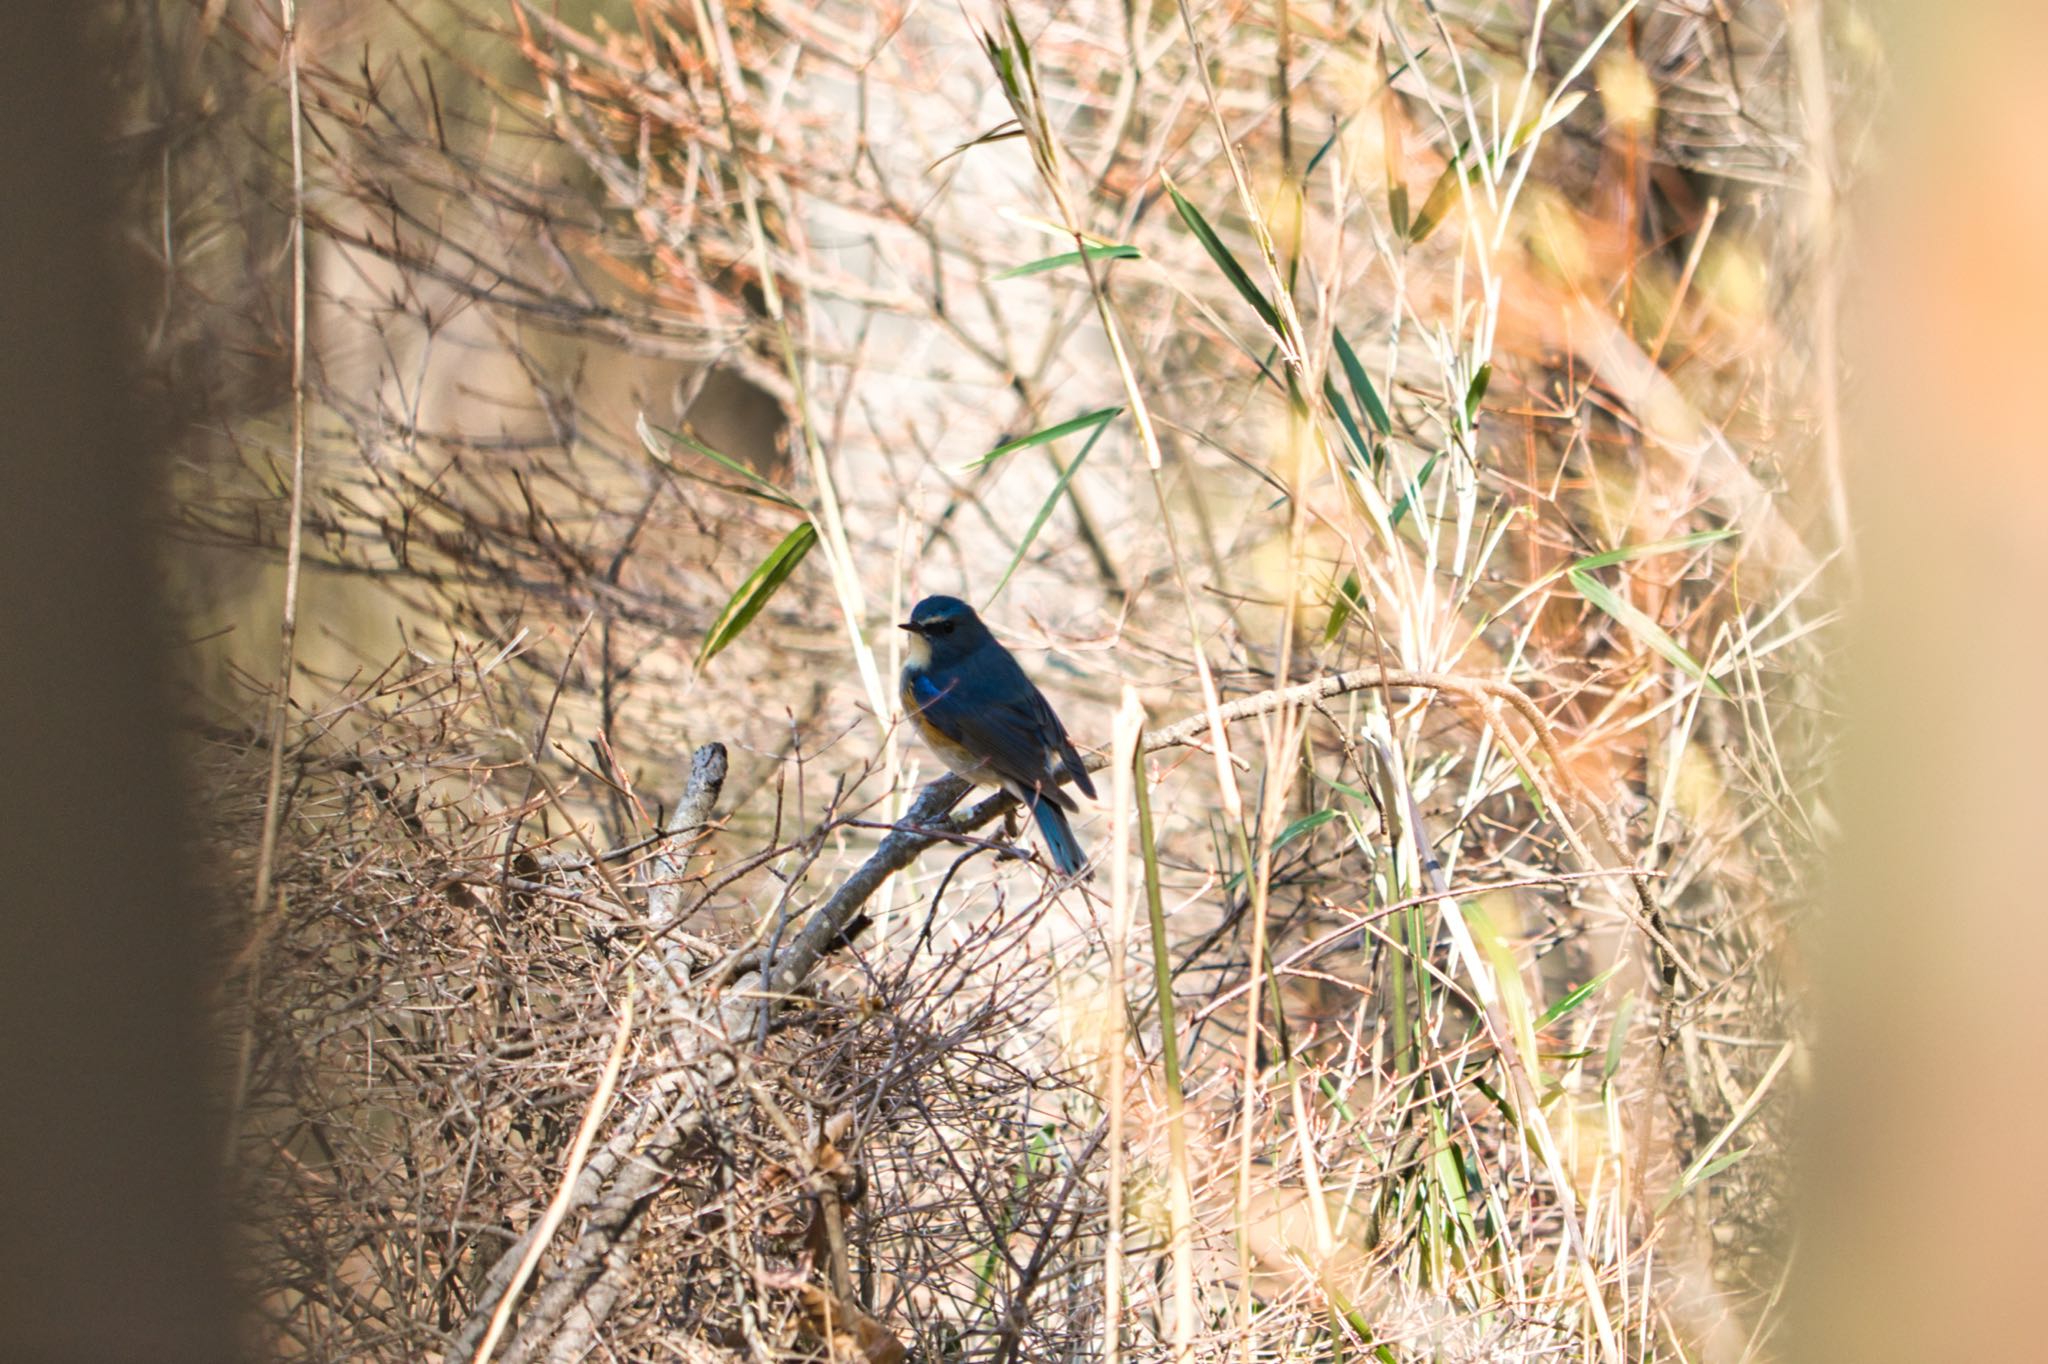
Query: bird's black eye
[{"x": 939, "y": 627}]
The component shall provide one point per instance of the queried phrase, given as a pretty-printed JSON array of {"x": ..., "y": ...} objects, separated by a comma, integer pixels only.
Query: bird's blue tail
[{"x": 1059, "y": 837}]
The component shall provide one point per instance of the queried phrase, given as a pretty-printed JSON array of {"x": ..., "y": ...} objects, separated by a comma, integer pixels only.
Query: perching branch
[
  {"x": 580, "y": 1294},
  {"x": 692, "y": 813}
]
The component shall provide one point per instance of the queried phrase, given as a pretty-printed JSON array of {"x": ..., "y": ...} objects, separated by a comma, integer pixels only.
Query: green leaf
[
  {"x": 1336, "y": 1098},
  {"x": 757, "y": 485},
  {"x": 1529, "y": 789},
  {"x": 1361, "y": 385},
  {"x": 1355, "y": 1320},
  {"x": 1336, "y": 132},
  {"x": 1352, "y": 434},
  {"x": 1340, "y": 612},
  {"x": 1414, "y": 490},
  {"x": 1390, "y": 144},
  {"x": 1023, "y": 45},
  {"x": 1225, "y": 262},
  {"x": 1499, "y": 1100},
  {"x": 1059, "y": 490},
  {"x": 1361, "y": 797},
  {"x": 1612, "y": 556},
  {"x": 1628, "y": 552},
  {"x": 1540, "y": 122},
  {"x": 1301, "y": 826},
  {"x": 1507, "y": 977},
  {"x": 1441, "y": 195},
  {"x": 1642, "y": 627},
  {"x": 1065, "y": 258},
  {"x": 1287, "y": 835},
  {"x": 753, "y": 594},
  {"x": 1449, "y": 1169},
  {"x": 1699, "y": 1175},
  {"x": 1477, "y": 393},
  {"x": 1617, "y": 1036},
  {"x": 1575, "y": 998},
  {"x": 1007, "y": 132},
  {"x": 1065, "y": 428},
  {"x": 1445, "y": 190}
]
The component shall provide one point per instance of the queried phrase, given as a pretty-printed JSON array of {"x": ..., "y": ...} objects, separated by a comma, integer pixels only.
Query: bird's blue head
[{"x": 943, "y": 630}]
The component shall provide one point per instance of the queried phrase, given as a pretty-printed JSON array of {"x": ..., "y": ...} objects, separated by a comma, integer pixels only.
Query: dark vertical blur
[
  {"x": 1925, "y": 1231},
  {"x": 110, "y": 1231}
]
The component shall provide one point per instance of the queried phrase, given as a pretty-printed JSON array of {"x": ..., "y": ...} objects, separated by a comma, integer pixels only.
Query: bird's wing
[
  {"x": 1072, "y": 759},
  {"x": 1064, "y": 755},
  {"x": 1001, "y": 719}
]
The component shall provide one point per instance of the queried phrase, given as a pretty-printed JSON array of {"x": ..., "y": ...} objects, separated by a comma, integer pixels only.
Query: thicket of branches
[{"x": 1421, "y": 413}]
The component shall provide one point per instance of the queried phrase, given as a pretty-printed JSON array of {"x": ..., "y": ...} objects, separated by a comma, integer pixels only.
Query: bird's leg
[{"x": 1012, "y": 836}]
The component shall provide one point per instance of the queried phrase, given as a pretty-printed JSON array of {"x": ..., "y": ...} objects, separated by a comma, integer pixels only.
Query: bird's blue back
[{"x": 982, "y": 702}]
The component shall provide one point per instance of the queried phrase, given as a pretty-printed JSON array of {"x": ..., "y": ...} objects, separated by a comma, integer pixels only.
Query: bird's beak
[{"x": 906, "y": 625}]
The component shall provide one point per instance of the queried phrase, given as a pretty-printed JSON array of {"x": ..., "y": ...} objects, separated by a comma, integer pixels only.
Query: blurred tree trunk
[
  {"x": 1926, "y": 1180},
  {"x": 111, "y": 1247}
]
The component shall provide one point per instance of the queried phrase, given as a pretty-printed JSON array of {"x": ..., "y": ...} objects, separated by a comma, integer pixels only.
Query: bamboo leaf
[
  {"x": 1340, "y": 788},
  {"x": 1528, "y": 786},
  {"x": 1059, "y": 490},
  {"x": 1540, "y": 122},
  {"x": 1336, "y": 131},
  {"x": 1065, "y": 258},
  {"x": 1293, "y": 831},
  {"x": 1466, "y": 165},
  {"x": 1352, "y": 434},
  {"x": 1225, "y": 261},
  {"x": 1699, "y": 1175},
  {"x": 1065, "y": 428},
  {"x": 1575, "y": 998},
  {"x": 1022, "y": 45},
  {"x": 1341, "y": 609},
  {"x": 1449, "y": 1169},
  {"x": 1336, "y": 1098},
  {"x": 1613, "y": 556},
  {"x": 1301, "y": 826},
  {"x": 1643, "y": 628},
  {"x": 1617, "y": 1037},
  {"x": 1514, "y": 998},
  {"x": 1391, "y": 148},
  {"x": 1006, "y": 132},
  {"x": 754, "y": 593},
  {"x": 654, "y": 437},
  {"x": 1441, "y": 195},
  {"x": 1414, "y": 490},
  {"x": 1477, "y": 393},
  {"x": 1361, "y": 385},
  {"x": 1628, "y": 552}
]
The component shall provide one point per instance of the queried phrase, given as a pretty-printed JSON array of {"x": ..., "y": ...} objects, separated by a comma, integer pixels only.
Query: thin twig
[
  {"x": 579, "y": 1150},
  {"x": 266, "y": 848}
]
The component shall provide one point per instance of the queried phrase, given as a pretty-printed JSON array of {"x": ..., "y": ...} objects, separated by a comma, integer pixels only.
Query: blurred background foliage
[{"x": 660, "y": 354}]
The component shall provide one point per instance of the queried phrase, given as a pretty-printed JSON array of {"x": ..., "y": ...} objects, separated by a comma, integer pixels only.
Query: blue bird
[{"x": 975, "y": 708}]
